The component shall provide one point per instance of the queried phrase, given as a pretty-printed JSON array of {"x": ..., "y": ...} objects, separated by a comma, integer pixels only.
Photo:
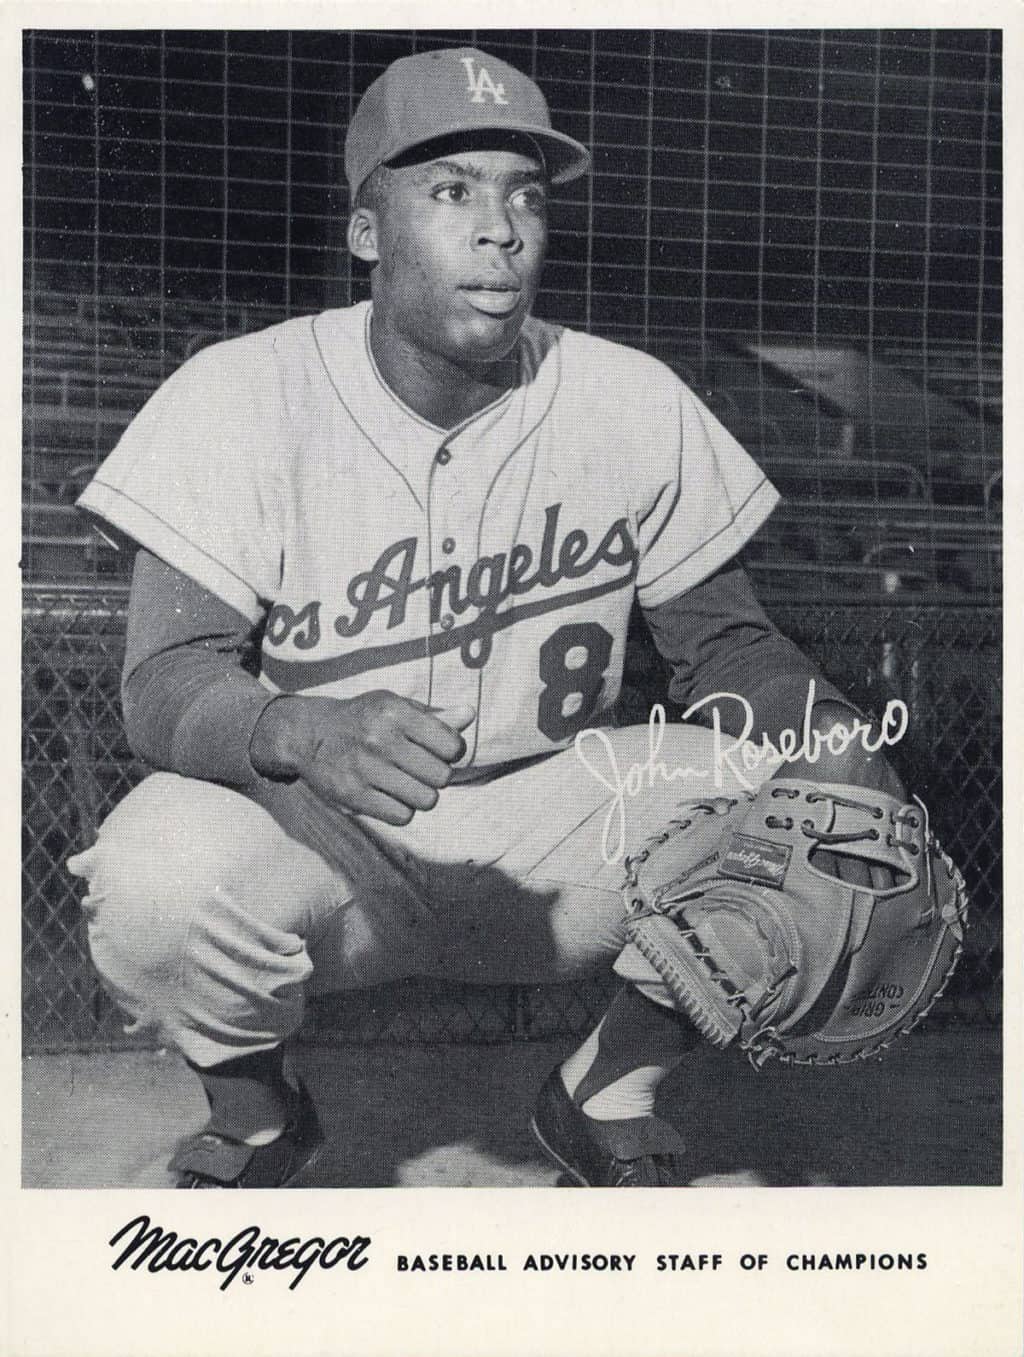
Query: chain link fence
[{"x": 943, "y": 662}]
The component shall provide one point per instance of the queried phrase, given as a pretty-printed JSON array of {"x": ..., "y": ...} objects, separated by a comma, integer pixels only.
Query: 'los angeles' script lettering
[{"x": 391, "y": 581}]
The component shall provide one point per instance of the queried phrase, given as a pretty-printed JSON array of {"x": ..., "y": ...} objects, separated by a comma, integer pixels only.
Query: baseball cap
[{"x": 457, "y": 89}]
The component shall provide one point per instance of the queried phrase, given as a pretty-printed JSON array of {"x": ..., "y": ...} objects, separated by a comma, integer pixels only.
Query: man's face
[{"x": 459, "y": 244}]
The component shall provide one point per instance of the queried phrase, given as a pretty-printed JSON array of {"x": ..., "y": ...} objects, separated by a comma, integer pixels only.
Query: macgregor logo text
[{"x": 247, "y": 1251}]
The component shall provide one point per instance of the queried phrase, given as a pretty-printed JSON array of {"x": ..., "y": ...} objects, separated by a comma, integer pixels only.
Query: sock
[
  {"x": 248, "y": 1096},
  {"x": 616, "y": 1072},
  {"x": 264, "y": 1137}
]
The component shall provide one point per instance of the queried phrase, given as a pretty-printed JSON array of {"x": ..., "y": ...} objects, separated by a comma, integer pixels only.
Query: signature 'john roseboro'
[{"x": 740, "y": 755}]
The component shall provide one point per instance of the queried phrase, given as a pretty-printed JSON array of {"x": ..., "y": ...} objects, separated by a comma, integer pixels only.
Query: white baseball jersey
[{"x": 492, "y": 564}]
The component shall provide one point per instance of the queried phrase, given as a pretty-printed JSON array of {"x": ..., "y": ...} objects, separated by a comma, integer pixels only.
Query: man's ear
[{"x": 362, "y": 235}]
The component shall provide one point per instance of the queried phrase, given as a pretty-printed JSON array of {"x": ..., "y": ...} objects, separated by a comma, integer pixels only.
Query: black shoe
[
  {"x": 210, "y": 1159},
  {"x": 635, "y": 1152}
]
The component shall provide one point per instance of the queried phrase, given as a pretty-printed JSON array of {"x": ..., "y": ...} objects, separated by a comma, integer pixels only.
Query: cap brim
[{"x": 564, "y": 158}]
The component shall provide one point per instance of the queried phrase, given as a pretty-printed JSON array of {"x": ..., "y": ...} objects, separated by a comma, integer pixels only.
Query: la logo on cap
[
  {"x": 480, "y": 83},
  {"x": 429, "y": 95}
]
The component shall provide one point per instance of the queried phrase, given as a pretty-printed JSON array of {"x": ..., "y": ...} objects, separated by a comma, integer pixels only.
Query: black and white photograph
[{"x": 512, "y": 566}]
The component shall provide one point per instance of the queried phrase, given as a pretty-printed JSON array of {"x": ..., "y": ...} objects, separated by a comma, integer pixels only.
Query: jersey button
[
  {"x": 448, "y": 545},
  {"x": 443, "y": 457},
  {"x": 447, "y": 622}
]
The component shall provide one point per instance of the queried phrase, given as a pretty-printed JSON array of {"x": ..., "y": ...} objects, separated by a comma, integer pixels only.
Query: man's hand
[
  {"x": 377, "y": 754},
  {"x": 857, "y": 767}
]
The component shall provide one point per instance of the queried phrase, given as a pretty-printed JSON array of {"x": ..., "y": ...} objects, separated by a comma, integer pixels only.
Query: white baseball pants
[{"x": 210, "y": 916}]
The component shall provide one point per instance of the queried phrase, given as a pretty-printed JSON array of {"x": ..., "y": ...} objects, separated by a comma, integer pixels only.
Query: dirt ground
[{"x": 929, "y": 1114}]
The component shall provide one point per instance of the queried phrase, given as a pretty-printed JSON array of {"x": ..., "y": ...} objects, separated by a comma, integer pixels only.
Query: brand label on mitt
[{"x": 749, "y": 859}]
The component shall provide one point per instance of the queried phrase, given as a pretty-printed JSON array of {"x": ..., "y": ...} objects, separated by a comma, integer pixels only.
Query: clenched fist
[{"x": 378, "y": 754}]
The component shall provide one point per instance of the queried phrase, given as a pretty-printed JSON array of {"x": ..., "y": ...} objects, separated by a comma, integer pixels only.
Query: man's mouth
[{"x": 493, "y": 301}]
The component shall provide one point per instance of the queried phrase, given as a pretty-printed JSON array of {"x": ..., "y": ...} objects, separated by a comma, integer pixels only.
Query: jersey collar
[{"x": 403, "y": 438}]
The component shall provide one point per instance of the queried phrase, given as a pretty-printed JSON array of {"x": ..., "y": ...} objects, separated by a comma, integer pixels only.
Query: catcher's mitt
[{"x": 759, "y": 944}]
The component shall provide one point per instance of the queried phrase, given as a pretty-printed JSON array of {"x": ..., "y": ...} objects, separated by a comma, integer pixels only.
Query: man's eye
[
  {"x": 529, "y": 199},
  {"x": 451, "y": 193}
]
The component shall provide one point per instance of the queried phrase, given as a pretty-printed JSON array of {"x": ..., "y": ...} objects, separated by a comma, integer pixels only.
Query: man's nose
[{"x": 495, "y": 225}]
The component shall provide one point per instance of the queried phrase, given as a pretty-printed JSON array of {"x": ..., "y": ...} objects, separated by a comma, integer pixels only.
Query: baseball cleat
[
  {"x": 210, "y": 1159},
  {"x": 634, "y": 1152}
]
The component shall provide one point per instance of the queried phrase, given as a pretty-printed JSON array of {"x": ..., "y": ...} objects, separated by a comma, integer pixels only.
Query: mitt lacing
[
  {"x": 824, "y": 838},
  {"x": 632, "y": 861}
]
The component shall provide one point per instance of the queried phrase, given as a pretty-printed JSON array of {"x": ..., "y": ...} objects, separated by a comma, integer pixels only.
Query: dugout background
[{"x": 805, "y": 224}]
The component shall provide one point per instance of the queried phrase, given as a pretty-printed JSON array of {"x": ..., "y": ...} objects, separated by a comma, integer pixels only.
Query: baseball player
[{"x": 386, "y": 558}]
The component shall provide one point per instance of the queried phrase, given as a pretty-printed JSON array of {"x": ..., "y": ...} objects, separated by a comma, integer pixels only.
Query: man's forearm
[
  {"x": 184, "y": 712},
  {"x": 191, "y": 703},
  {"x": 773, "y": 683},
  {"x": 718, "y": 639}
]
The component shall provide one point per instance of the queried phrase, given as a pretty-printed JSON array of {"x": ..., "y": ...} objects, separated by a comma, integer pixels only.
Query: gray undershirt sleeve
[
  {"x": 189, "y": 689},
  {"x": 718, "y": 639}
]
